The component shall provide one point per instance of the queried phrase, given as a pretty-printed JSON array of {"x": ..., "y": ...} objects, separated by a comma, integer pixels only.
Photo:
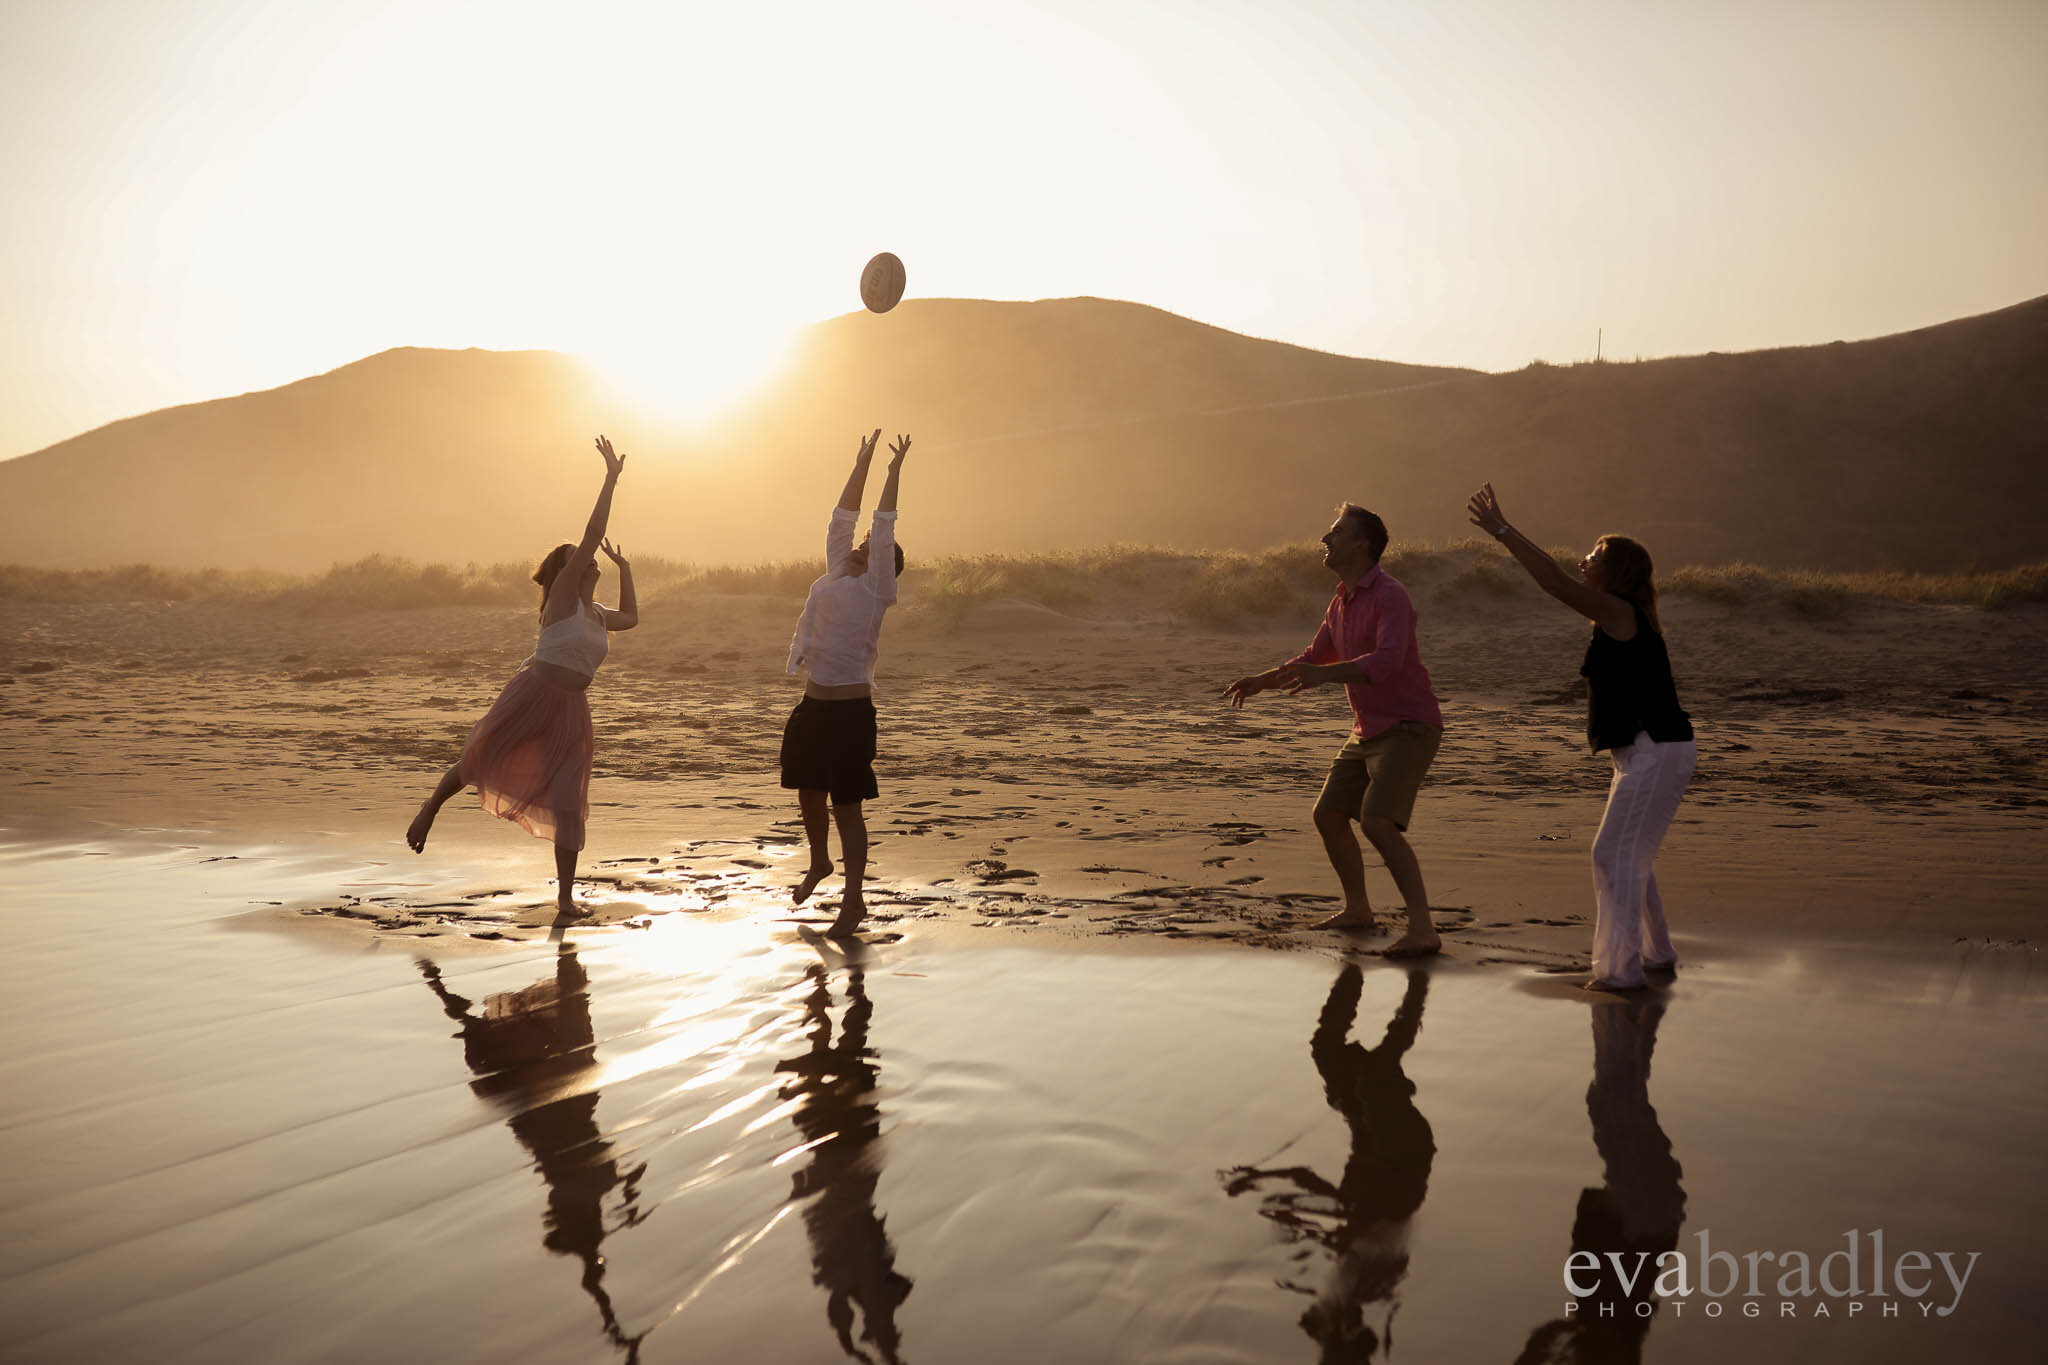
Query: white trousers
[{"x": 1628, "y": 931}]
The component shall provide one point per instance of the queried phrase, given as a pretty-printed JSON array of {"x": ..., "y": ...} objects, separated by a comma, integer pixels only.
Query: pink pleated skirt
[{"x": 529, "y": 758}]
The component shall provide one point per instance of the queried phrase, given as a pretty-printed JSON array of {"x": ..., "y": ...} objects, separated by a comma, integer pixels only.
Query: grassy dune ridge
[{"x": 1220, "y": 587}]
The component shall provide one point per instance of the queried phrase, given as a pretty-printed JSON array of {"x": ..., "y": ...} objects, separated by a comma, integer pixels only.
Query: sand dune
[{"x": 1077, "y": 422}]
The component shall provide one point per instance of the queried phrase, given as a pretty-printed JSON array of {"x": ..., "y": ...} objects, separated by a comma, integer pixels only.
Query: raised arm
[
  {"x": 1613, "y": 614},
  {"x": 453, "y": 1005},
  {"x": 601, "y": 515},
  {"x": 857, "y": 481},
  {"x": 569, "y": 578},
  {"x": 882, "y": 535},
  {"x": 627, "y": 615},
  {"x": 897, "y": 450},
  {"x": 839, "y": 535}
]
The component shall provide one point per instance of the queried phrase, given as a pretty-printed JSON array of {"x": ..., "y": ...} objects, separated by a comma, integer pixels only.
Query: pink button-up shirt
[{"x": 1373, "y": 626}]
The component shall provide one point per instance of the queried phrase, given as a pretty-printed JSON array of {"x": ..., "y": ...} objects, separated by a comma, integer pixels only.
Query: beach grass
[
  {"x": 1827, "y": 592},
  {"x": 1214, "y": 587}
]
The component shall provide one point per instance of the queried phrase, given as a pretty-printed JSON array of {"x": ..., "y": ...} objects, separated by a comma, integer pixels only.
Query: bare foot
[
  {"x": 817, "y": 872},
  {"x": 1596, "y": 984},
  {"x": 851, "y": 912},
  {"x": 569, "y": 910},
  {"x": 1346, "y": 919},
  {"x": 1412, "y": 944},
  {"x": 416, "y": 832}
]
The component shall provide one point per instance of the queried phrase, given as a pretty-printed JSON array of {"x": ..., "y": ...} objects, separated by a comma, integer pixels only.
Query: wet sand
[
  {"x": 1092, "y": 1090},
  {"x": 722, "y": 1138}
]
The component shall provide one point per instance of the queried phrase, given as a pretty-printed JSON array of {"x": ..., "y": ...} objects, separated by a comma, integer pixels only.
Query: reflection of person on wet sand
[
  {"x": 1636, "y": 1214},
  {"x": 828, "y": 743},
  {"x": 834, "y": 1087},
  {"x": 529, "y": 757},
  {"x": 1363, "y": 1219},
  {"x": 1367, "y": 643},
  {"x": 531, "y": 1051}
]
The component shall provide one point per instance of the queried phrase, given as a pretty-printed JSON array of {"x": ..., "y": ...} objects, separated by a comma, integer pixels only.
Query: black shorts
[{"x": 829, "y": 746}]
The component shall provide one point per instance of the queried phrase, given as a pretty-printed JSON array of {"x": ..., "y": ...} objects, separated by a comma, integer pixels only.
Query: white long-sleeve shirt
[{"x": 840, "y": 632}]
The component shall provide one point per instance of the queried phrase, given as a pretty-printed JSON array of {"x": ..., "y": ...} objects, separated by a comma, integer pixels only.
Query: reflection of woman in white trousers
[
  {"x": 1632, "y": 713},
  {"x": 1633, "y": 1218}
]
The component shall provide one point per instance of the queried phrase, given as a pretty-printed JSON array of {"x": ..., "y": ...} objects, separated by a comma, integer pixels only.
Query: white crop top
[{"x": 577, "y": 643}]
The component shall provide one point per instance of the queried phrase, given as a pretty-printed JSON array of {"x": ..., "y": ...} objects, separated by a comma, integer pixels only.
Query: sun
[{"x": 692, "y": 381}]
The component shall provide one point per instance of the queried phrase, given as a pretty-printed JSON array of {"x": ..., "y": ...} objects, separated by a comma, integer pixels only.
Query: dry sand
[{"x": 1874, "y": 775}]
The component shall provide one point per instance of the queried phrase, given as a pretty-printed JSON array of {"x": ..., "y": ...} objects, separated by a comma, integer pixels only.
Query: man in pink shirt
[{"x": 1367, "y": 642}]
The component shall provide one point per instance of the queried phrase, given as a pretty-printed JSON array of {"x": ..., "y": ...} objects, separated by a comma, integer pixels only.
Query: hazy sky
[{"x": 211, "y": 196}]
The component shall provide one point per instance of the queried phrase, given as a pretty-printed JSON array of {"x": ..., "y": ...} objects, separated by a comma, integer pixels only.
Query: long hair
[
  {"x": 549, "y": 568},
  {"x": 1629, "y": 575}
]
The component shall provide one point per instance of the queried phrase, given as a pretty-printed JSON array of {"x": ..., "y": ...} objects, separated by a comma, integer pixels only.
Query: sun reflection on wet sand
[{"x": 731, "y": 1140}]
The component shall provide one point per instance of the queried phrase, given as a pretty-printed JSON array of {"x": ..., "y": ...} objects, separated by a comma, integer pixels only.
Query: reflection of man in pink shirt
[{"x": 1367, "y": 642}]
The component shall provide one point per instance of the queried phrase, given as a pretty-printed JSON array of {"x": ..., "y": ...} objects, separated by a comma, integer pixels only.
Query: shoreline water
[
  {"x": 1510, "y": 881},
  {"x": 726, "y": 1133}
]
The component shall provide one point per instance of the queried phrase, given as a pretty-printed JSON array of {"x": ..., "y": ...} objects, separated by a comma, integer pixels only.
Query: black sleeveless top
[{"x": 1629, "y": 689}]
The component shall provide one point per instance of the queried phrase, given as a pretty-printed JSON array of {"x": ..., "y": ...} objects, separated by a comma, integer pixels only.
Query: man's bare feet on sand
[
  {"x": 1412, "y": 944},
  {"x": 1347, "y": 919},
  {"x": 569, "y": 910},
  {"x": 416, "y": 832},
  {"x": 815, "y": 873}
]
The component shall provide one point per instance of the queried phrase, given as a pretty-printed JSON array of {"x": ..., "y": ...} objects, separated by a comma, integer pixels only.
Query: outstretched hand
[
  {"x": 1243, "y": 688},
  {"x": 1297, "y": 678},
  {"x": 897, "y": 450},
  {"x": 1485, "y": 511},
  {"x": 1289, "y": 677},
  {"x": 867, "y": 447},
  {"x": 613, "y": 461},
  {"x": 614, "y": 553}
]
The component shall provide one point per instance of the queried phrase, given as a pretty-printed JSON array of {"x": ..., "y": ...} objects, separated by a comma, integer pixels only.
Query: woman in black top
[{"x": 1632, "y": 711}]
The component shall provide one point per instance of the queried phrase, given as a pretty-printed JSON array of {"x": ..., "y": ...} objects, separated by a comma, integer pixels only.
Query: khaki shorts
[{"x": 1380, "y": 776}]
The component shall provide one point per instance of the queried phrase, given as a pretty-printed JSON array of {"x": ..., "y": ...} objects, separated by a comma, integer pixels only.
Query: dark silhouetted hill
[
  {"x": 410, "y": 451},
  {"x": 1081, "y": 421}
]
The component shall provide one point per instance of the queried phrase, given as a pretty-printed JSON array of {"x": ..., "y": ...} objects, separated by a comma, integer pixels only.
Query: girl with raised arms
[{"x": 529, "y": 757}]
